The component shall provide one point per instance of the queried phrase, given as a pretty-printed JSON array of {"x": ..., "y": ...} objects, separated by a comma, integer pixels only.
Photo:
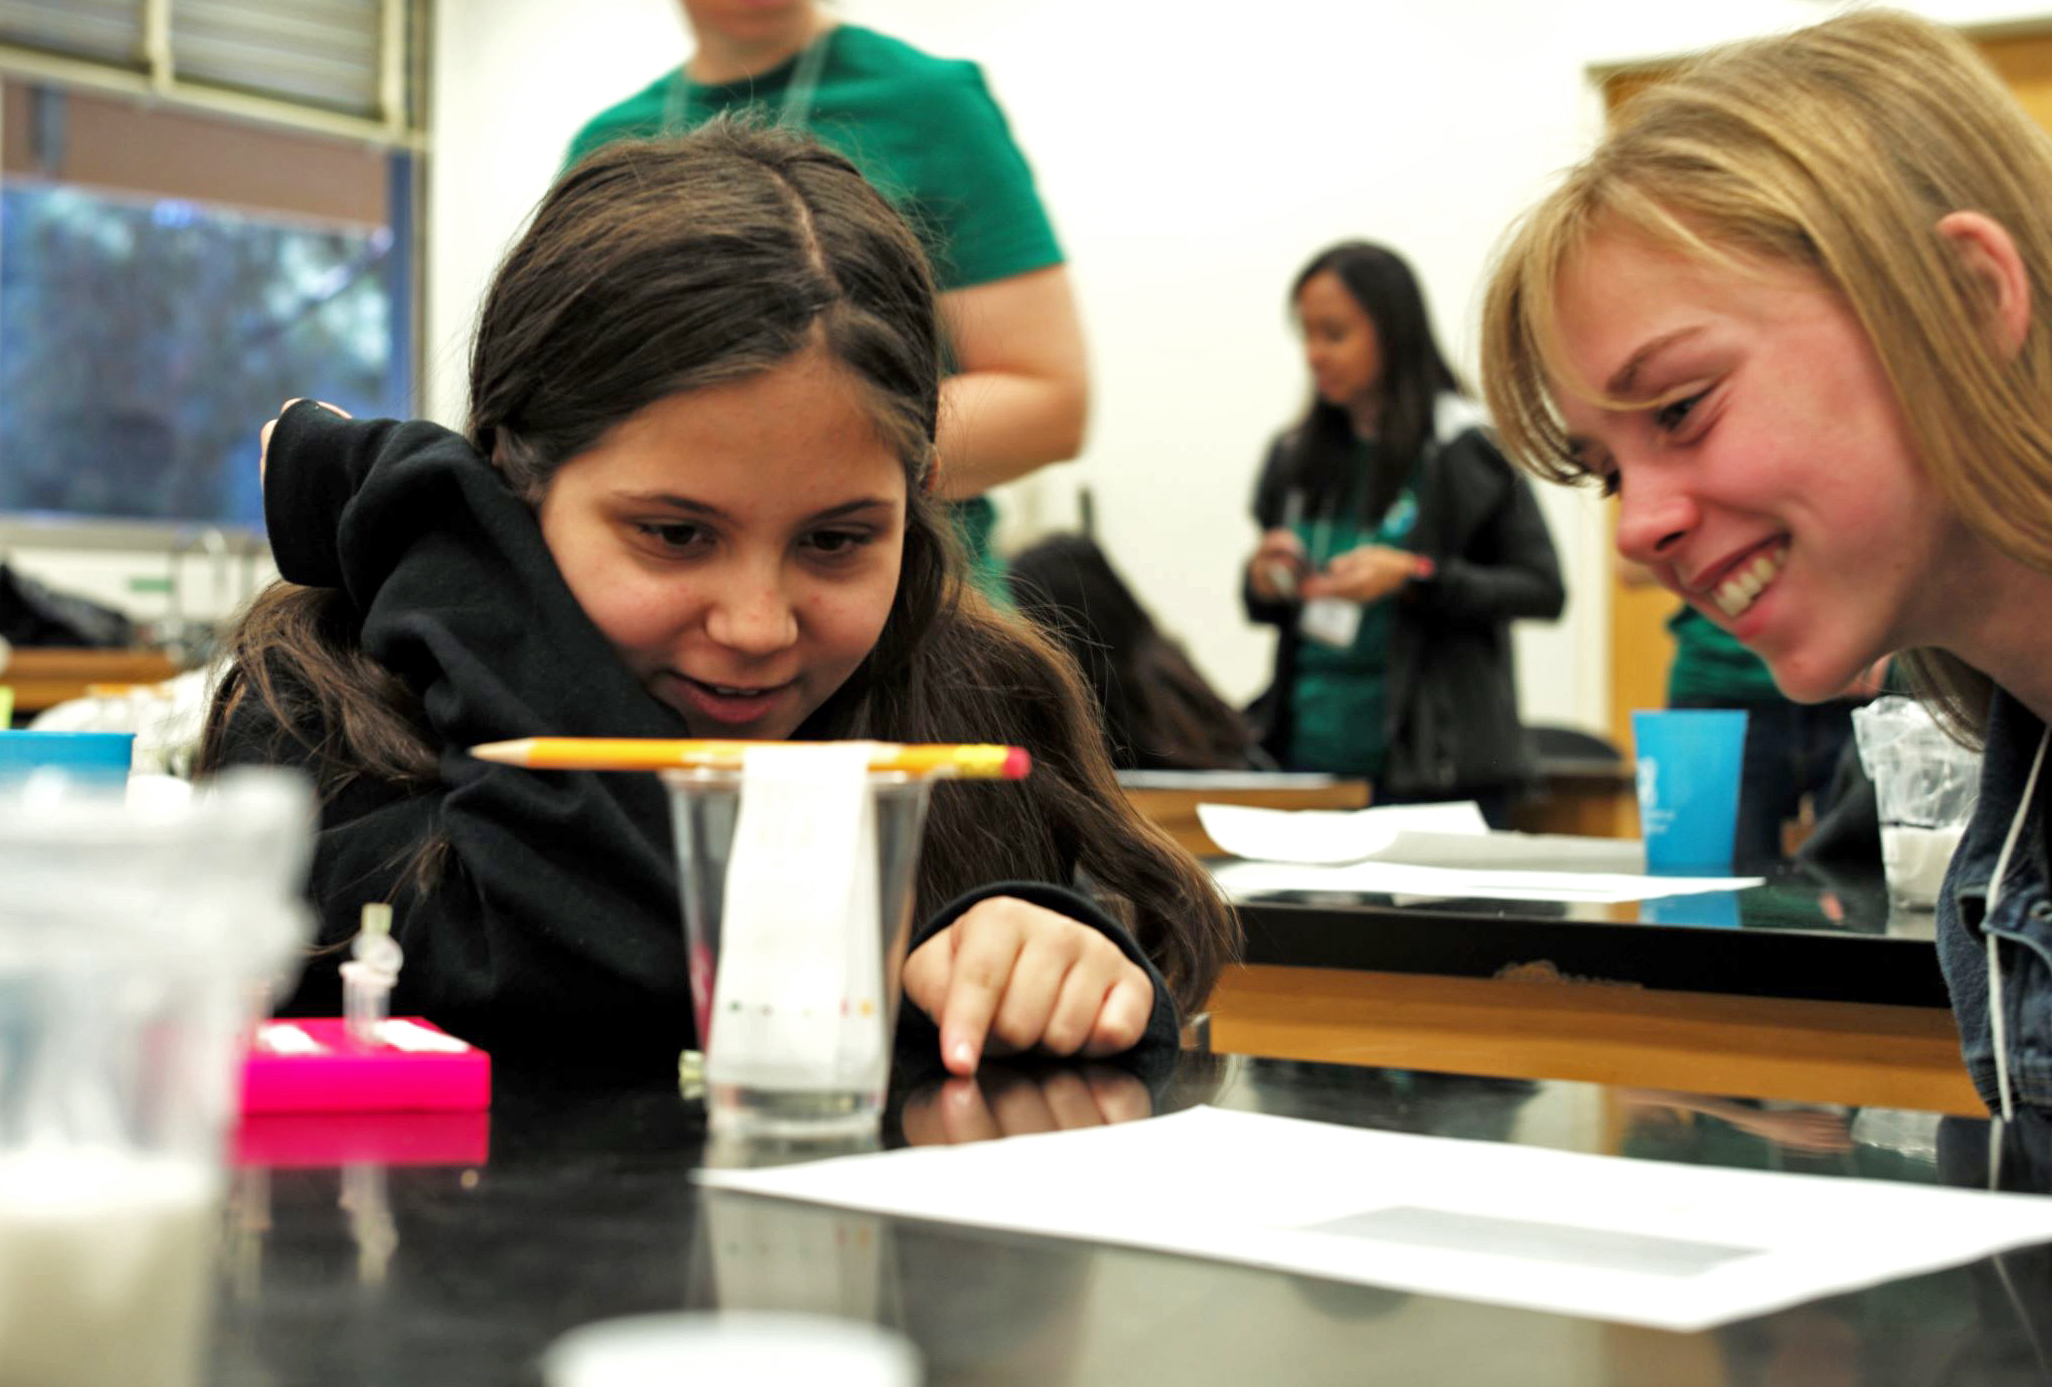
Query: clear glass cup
[
  {"x": 807, "y": 1016},
  {"x": 130, "y": 937},
  {"x": 1925, "y": 788}
]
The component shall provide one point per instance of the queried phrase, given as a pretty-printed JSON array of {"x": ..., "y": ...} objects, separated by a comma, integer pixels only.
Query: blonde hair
[{"x": 1837, "y": 148}]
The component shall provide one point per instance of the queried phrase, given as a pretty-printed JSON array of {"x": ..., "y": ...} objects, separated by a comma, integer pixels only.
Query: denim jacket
[{"x": 2022, "y": 919}]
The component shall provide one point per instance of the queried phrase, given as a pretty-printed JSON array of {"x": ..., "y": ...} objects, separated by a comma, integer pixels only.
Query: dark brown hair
[
  {"x": 661, "y": 267},
  {"x": 1159, "y": 713},
  {"x": 1414, "y": 376}
]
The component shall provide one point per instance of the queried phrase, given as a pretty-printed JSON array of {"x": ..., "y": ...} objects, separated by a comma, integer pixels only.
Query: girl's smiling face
[
  {"x": 1769, "y": 477},
  {"x": 739, "y": 545}
]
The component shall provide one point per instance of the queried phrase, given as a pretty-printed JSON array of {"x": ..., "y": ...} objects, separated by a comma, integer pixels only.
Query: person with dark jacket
[{"x": 1397, "y": 547}]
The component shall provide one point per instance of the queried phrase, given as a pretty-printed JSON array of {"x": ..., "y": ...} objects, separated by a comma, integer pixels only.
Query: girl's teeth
[{"x": 1737, "y": 592}]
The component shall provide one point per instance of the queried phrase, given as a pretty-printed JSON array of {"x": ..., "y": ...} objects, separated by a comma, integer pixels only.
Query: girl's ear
[{"x": 1989, "y": 255}]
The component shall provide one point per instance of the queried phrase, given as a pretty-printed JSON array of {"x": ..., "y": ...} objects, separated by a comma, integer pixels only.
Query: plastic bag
[{"x": 1925, "y": 786}]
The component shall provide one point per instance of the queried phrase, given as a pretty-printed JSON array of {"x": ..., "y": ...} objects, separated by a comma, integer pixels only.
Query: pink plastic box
[{"x": 314, "y": 1066}]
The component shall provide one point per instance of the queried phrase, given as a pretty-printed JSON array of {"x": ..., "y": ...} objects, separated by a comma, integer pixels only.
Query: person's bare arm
[{"x": 1022, "y": 386}]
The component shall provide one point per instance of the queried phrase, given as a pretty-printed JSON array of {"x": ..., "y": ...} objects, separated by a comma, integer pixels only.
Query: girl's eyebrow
[
  {"x": 1619, "y": 386},
  {"x": 852, "y": 508},
  {"x": 713, "y": 512}
]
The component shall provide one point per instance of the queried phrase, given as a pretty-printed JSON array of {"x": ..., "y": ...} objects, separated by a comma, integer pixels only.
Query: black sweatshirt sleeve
[{"x": 1507, "y": 568}]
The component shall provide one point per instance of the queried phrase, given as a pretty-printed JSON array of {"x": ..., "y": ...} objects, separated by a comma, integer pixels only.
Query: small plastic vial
[{"x": 367, "y": 979}]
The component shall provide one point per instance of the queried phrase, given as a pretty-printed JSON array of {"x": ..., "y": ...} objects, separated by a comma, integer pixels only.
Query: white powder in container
[
  {"x": 1915, "y": 860},
  {"x": 106, "y": 1272}
]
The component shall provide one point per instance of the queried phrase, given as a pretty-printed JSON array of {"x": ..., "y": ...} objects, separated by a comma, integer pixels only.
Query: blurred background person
[
  {"x": 927, "y": 132},
  {"x": 1397, "y": 547},
  {"x": 1160, "y": 713}
]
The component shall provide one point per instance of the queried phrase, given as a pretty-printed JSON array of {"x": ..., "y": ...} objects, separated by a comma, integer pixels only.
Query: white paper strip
[
  {"x": 798, "y": 998},
  {"x": 1642, "y": 1242}
]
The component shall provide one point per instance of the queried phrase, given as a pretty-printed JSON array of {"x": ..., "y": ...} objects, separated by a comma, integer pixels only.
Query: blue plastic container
[
  {"x": 91, "y": 758},
  {"x": 1689, "y": 765}
]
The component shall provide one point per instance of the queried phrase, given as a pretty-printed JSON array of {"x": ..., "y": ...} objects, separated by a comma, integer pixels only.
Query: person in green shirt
[
  {"x": 928, "y": 134},
  {"x": 1397, "y": 547}
]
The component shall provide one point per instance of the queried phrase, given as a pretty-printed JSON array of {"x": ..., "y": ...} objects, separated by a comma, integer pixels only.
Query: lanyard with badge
[
  {"x": 1332, "y": 621},
  {"x": 1335, "y": 621},
  {"x": 792, "y": 111}
]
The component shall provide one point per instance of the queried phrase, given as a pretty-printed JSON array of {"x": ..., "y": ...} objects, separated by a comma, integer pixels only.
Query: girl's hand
[
  {"x": 1009, "y": 976},
  {"x": 1367, "y": 574},
  {"x": 1278, "y": 567},
  {"x": 264, "y": 435}
]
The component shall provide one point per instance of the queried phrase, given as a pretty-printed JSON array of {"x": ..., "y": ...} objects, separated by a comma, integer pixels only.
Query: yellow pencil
[{"x": 655, "y": 754}]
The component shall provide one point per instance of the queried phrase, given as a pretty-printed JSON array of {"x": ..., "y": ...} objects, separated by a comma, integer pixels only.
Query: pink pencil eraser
[
  {"x": 314, "y": 1065},
  {"x": 1017, "y": 763}
]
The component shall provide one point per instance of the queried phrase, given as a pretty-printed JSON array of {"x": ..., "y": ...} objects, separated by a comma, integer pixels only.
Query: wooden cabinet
[{"x": 42, "y": 678}]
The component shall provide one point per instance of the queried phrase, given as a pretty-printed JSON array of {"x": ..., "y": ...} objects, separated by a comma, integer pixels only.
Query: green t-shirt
[
  {"x": 926, "y": 132},
  {"x": 1709, "y": 663},
  {"x": 1339, "y": 702}
]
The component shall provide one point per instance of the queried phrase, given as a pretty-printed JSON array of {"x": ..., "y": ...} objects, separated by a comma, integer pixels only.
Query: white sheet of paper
[
  {"x": 798, "y": 996},
  {"x": 1669, "y": 1246},
  {"x": 1242, "y": 880},
  {"x": 1429, "y": 852},
  {"x": 1331, "y": 835}
]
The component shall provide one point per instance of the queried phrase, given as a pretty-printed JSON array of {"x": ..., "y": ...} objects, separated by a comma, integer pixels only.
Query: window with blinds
[
  {"x": 206, "y": 207},
  {"x": 351, "y": 58},
  {"x": 167, "y": 278},
  {"x": 108, "y": 31}
]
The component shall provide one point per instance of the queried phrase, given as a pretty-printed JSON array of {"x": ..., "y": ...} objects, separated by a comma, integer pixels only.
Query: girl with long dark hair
[{"x": 695, "y": 497}]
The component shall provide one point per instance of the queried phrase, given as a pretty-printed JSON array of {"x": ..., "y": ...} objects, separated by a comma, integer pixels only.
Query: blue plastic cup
[
  {"x": 1689, "y": 766},
  {"x": 91, "y": 758}
]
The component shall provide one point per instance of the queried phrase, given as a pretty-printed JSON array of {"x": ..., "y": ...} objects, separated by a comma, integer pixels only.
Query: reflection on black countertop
[
  {"x": 585, "y": 1209},
  {"x": 1801, "y": 897},
  {"x": 1807, "y": 931}
]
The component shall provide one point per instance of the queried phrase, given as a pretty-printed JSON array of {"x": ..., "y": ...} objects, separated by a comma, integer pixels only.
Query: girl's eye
[
  {"x": 1675, "y": 413},
  {"x": 672, "y": 535},
  {"x": 836, "y": 543},
  {"x": 1609, "y": 483}
]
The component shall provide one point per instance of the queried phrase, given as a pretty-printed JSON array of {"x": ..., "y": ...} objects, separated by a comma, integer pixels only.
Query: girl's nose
[
  {"x": 753, "y": 617},
  {"x": 1653, "y": 520}
]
